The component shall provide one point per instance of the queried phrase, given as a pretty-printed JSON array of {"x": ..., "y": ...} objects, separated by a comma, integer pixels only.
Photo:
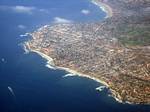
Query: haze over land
[{"x": 115, "y": 51}]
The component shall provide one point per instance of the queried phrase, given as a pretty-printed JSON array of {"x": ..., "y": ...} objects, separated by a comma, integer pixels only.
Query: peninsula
[{"x": 115, "y": 51}]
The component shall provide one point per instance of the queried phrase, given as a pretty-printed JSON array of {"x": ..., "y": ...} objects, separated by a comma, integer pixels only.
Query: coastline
[
  {"x": 108, "y": 10},
  {"x": 104, "y": 7},
  {"x": 51, "y": 63}
]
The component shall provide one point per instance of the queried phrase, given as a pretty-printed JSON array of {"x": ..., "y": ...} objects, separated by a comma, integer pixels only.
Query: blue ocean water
[{"x": 37, "y": 88}]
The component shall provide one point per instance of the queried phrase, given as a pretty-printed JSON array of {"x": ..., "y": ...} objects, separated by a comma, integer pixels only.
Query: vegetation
[{"x": 135, "y": 36}]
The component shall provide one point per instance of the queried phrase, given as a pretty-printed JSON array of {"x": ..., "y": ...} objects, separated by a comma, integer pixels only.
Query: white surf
[
  {"x": 100, "y": 88},
  {"x": 69, "y": 75}
]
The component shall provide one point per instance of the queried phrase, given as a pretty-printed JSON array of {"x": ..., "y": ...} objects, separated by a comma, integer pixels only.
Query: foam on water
[
  {"x": 69, "y": 75},
  {"x": 100, "y": 88},
  {"x": 24, "y": 35},
  {"x": 50, "y": 66}
]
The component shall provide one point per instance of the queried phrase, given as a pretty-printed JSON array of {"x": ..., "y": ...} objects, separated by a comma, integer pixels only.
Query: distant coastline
[{"x": 104, "y": 7}]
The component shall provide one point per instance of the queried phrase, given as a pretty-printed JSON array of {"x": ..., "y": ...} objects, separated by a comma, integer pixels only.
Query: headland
[{"x": 114, "y": 52}]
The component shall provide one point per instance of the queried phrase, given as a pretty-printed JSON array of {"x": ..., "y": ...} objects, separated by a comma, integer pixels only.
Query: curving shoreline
[
  {"x": 106, "y": 8},
  {"x": 50, "y": 61}
]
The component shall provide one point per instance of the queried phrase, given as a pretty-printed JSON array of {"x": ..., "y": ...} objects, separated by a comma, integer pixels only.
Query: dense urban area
[{"x": 115, "y": 50}]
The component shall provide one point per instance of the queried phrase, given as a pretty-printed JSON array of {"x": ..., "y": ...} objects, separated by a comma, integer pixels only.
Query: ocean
[{"x": 26, "y": 84}]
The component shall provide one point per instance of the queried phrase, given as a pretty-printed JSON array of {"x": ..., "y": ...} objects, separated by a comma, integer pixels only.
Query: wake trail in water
[{"x": 11, "y": 91}]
